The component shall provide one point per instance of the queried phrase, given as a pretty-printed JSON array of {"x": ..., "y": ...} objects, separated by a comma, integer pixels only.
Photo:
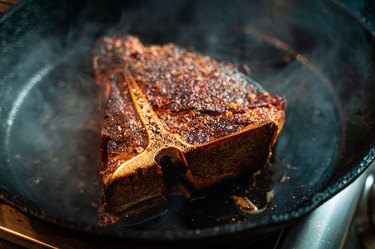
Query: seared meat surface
[{"x": 204, "y": 115}]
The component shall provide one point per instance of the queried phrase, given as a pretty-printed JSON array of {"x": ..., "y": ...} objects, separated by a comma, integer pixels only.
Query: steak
[{"x": 166, "y": 102}]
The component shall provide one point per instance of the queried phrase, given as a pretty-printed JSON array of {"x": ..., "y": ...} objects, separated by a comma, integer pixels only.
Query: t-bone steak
[{"x": 205, "y": 116}]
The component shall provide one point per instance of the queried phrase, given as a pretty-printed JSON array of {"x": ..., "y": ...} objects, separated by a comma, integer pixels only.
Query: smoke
[
  {"x": 52, "y": 133},
  {"x": 311, "y": 53}
]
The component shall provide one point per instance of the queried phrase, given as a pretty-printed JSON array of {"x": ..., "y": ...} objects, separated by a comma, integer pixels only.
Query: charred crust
[{"x": 168, "y": 97}]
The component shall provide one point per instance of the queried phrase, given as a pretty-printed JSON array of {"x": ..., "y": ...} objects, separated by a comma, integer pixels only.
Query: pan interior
[{"x": 53, "y": 146}]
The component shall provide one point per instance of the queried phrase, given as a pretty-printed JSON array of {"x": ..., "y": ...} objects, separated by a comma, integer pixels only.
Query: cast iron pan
[{"x": 315, "y": 54}]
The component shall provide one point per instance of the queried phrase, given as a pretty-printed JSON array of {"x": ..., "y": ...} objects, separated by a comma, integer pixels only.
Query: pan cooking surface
[
  {"x": 56, "y": 120},
  {"x": 51, "y": 133}
]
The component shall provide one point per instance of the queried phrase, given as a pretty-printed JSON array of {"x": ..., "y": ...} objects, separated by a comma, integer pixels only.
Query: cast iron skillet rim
[
  {"x": 12, "y": 10},
  {"x": 312, "y": 203}
]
